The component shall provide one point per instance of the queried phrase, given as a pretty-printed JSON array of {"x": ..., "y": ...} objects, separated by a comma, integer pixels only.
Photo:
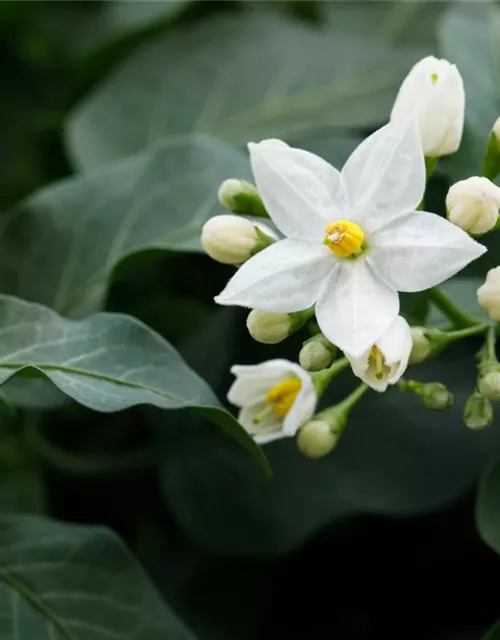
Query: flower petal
[
  {"x": 285, "y": 277},
  {"x": 270, "y": 426},
  {"x": 355, "y": 307},
  {"x": 385, "y": 175},
  {"x": 301, "y": 191},
  {"x": 254, "y": 381},
  {"x": 419, "y": 250},
  {"x": 304, "y": 405}
]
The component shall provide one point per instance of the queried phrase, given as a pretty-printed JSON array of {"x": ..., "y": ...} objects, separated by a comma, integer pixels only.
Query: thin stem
[
  {"x": 450, "y": 309},
  {"x": 490, "y": 344},
  {"x": 460, "y": 334},
  {"x": 321, "y": 379},
  {"x": 353, "y": 398}
]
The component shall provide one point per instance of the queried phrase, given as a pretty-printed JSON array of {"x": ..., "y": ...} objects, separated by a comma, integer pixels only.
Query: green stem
[
  {"x": 430, "y": 165},
  {"x": 490, "y": 344},
  {"x": 321, "y": 379},
  {"x": 460, "y": 334},
  {"x": 352, "y": 399},
  {"x": 460, "y": 319}
]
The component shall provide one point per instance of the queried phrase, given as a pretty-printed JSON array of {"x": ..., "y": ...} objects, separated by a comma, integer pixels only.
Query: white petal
[
  {"x": 253, "y": 381},
  {"x": 304, "y": 405},
  {"x": 285, "y": 277},
  {"x": 355, "y": 307},
  {"x": 419, "y": 250},
  {"x": 301, "y": 191},
  {"x": 385, "y": 175},
  {"x": 395, "y": 345},
  {"x": 270, "y": 428}
]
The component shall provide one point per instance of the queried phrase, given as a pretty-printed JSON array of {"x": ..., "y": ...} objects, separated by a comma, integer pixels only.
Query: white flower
[
  {"x": 232, "y": 239},
  {"x": 488, "y": 294},
  {"x": 386, "y": 361},
  {"x": 473, "y": 204},
  {"x": 354, "y": 238},
  {"x": 276, "y": 398},
  {"x": 434, "y": 88}
]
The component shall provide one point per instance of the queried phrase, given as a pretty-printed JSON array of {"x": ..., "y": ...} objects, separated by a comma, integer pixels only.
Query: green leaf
[
  {"x": 68, "y": 582},
  {"x": 493, "y": 633},
  {"x": 396, "y": 458},
  {"x": 470, "y": 37},
  {"x": 107, "y": 362},
  {"x": 488, "y": 506},
  {"x": 238, "y": 79},
  {"x": 61, "y": 246}
]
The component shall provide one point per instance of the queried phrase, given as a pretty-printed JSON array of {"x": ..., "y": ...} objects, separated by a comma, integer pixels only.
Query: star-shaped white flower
[
  {"x": 275, "y": 398},
  {"x": 353, "y": 239}
]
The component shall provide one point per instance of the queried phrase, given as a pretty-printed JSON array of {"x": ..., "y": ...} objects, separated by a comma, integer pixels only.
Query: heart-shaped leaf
[
  {"x": 67, "y": 582},
  {"x": 107, "y": 362},
  {"x": 61, "y": 245},
  {"x": 249, "y": 77}
]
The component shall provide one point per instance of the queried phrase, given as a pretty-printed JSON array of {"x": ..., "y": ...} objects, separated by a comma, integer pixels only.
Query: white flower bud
[
  {"x": 434, "y": 88},
  {"x": 488, "y": 294},
  {"x": 489, "y": 385},
  {"x": 231, "y": 239},
  {"x": 267, "y": 327},
  {"x": 316, "y": 439},
  {"x": 421, "y": 347},
  {"x": 473, "y": 204},
  {"x": 316, "y": 354},
  {"x": 478, "y": 412},
  {"x": 239, "y": 196}
]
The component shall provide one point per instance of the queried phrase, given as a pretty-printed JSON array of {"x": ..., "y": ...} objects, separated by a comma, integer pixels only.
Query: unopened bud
[
  {"x": 239, "y": 196},
  {"x": 473, "y": 205},
  {"x": 478, "y": 412},
  {"x": 491, "y": 162},
  {"x": 267, "y": 327},
  {"x": 489, "y": 384},
  {"x": 421, "y": 348},
  {"x": 317, "y": 353},
  {"x": 435, "y": 395},
  {"x": 488, "y": 294},
  {"x": 316, "y": 439},
  {"x": 233, "y": 240}
]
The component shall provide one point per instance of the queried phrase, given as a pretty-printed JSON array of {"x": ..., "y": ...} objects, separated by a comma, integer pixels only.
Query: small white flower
[
  {"x": 473, "y": 204},
  {"x": 434, "y": 88},
  {"x": 231, "y": 239},
  {"x": 386, "y": 361},
  {"x": 488, "y": 294},
  {"x": 354, "y": 238},
  {"x": 275, "y": 398}
]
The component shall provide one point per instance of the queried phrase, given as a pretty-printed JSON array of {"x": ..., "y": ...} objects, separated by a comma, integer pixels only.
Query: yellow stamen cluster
[
  {"x": 344, "y": 238},
  {"x": 282, "y": 396}
]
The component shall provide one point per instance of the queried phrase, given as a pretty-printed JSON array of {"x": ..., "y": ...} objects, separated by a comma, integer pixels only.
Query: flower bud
[
  {"x": 434, "y": 89},
  {"x": 421, "y": 346},
  {"x": 316, "y": 439},
  {"x": 233, "y": 240},
  {"x": 489, "y": 384},
  {"x": 478, "y": 412},
  {"x": 491, "y": 162},
  {"x": 239, "y": 196},
  {"x": 488, "y": 294},
  {"x": 267, "y": 327},
  {"x": 435, "y": 395},
  {"x": 317, "y": 353},
  {"x": 473, "y": 205}
]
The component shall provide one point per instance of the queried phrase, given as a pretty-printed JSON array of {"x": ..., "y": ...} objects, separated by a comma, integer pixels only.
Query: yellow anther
[
  {"x": 282, "y": 396},
  {"x": 344, "y": 238},
  {"x": 434, "y": 78},
  {"x": 378, "y": 362}
]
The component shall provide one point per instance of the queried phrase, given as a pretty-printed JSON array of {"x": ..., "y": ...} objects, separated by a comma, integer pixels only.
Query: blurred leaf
[
  {"x": 67, "y": 581},
  {"x": 405, "y": 23},
  {"x": 396, "y": 458},
  {"x": 107, "y": 362},
  {"x": 488, "y": 507},
  {"x": 463, "y": 291},
  {"x": 61, "y": 246},
  {"x": 254, "y": 76},
  {"x": 493, "y": 633},
  {"x": 470, "y": 37}
]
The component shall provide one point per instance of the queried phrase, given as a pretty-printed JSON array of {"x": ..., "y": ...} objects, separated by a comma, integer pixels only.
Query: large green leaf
[
  {"x": 252, "y": 76},
  {"x": 107, "y": 362},
  {"x": 61, "y": 245},
  {"x": 396, "y": 458},
  {"x": 67, "y": 582},
  {"x": 488, "y": 506},
  {"x": 470, "y": 38},
  {"x": 493, "y": 633}
]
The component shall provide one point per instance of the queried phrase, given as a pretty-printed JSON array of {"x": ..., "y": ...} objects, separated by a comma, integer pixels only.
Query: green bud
[
  {"x": 435, "y": 395},
  {"x": 422, "y": 347},
  {"x": 317, "y": 353},
  {"x": 267, "y": 327},
  {"x": 491, "y": 161},
  {"x": 239, "y": 196},
  {"x": 478, "y": 412},
  {"x": 316, "y": 439},
  {"x": 489, "y": 384}
]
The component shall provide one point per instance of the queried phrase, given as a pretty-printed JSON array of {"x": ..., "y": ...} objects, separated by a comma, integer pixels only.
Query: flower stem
[
  {"x": 490, "y": 344},
  {"x": 352, "y": 399},
  {"x": 460, "y": 334},
  {"x": 440, "y": 300},
  {"x": 321, "y": 379}
]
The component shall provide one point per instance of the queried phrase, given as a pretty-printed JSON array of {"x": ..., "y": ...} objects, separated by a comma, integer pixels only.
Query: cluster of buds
[{"x": 305, "y": 261}]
